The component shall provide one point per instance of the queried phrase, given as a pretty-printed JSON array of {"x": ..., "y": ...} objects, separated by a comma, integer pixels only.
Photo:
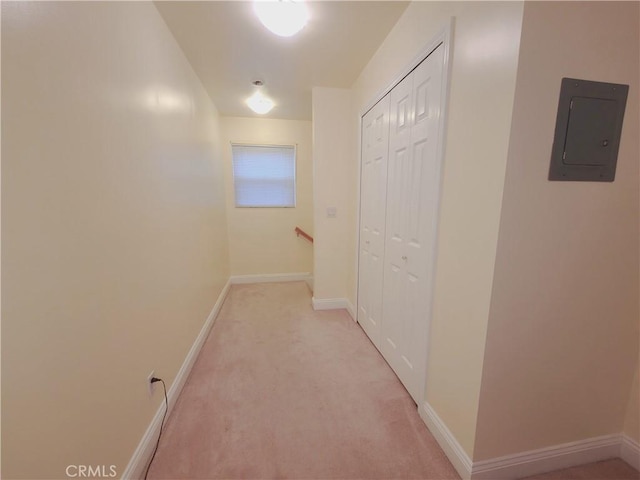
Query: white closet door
[
  {"x": 373, "y": 198},
  {"x": 413, "y": 192}
]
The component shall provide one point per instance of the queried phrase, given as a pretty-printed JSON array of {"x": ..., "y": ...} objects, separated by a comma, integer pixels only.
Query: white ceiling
[{"x": 228, "y": 48}]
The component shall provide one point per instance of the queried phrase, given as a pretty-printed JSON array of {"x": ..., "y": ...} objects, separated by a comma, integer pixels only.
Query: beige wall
[
  {"x": 632, "y": 419},
  {"x": 114, "y": 243},
  {"x": 562, "y": 342},
  {"x": 485, "y": 54},
  {"x": 261, "y": 240},
  {"x": 333, "y": 185},
  {"x": 353, "y": 204}
]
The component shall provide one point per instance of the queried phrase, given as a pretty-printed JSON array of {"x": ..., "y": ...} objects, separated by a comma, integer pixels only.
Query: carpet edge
[{"x": 142, "y": 454}]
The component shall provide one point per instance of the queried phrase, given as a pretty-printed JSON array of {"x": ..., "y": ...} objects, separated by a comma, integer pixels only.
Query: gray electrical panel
[{"x": 588, "y": 128}]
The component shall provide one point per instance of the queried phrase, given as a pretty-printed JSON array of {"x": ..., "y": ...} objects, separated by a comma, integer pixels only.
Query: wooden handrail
[{"x": 299, "y": 232}]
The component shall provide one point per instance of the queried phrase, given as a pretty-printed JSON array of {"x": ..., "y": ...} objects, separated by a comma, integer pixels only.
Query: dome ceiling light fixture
[
  {"x": 283, "y": 17},
  {"x": 259, "y": 102}
]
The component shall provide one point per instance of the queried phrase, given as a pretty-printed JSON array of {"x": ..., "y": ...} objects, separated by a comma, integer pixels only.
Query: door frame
[{"x": 444, "y": 37}]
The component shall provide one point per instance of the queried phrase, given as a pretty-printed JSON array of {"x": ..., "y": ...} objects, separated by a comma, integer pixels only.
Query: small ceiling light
[
  {"x": 258, "y": 102},
  {"x": 282, "y": 17}
]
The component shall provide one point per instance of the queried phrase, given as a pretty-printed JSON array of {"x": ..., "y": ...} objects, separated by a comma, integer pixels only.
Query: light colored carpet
[{"x": 282, "y": 391}]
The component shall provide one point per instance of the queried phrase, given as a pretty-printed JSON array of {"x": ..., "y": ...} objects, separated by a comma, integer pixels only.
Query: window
[{"x": 264, "y": 175}]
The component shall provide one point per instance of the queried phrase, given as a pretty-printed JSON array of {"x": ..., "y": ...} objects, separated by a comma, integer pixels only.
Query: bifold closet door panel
[
  {"x": 394, "y": 294},
  {"x": 373, "y": 198},
  {"x": 412, "y": 207}
]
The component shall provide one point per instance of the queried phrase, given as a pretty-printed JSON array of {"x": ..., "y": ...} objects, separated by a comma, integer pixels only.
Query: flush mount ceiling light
[
  {"x": 258, "y": 102},
  {"x": 282, "y": 17}
]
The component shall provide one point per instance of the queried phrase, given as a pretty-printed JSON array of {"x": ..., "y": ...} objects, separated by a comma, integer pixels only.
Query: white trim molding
[
  {"x": 142, "y": 455},
  {"x": 447, "y": 441},
  {"x": 546, "y": 459},
  {"x": 330, "y": 303},
  {"x": 272, "y": 278},
  {"x": 532, "y": 462},
  {"x": 443, "y": 38},
  {"x": 630, "y": 451},
  {"x": 352, "y": 310}
]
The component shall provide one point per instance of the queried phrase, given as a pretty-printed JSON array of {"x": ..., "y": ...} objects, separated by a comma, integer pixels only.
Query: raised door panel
[
  {"x": 365, "y": 221},
  {"x": 398, "y": 179},
  {"x": 373, "y": 190},
  {"x": 364, "y": 289},
  {"x": 422, "y": 216},
  {"x": 413, "y": 192}
]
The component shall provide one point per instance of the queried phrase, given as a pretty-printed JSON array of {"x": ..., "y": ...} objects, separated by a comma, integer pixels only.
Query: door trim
[{"x": 445, "y": 38}]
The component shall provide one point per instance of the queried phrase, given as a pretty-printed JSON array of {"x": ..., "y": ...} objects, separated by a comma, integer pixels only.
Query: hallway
[
  {"x": 282, "y": 391},
  {"x": 122, "y": 235}
]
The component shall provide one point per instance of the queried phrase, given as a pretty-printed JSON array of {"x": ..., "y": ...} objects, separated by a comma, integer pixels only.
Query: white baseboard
[
  {"x": 454, "y": 451},
  {"x": 352, "y": 310},
  {"x": 329, "y": 303},
  {"x": 142, "y": 455},
  {"x": 543, "y": 460},
  {"x": 533, "y": 462},
  {"x": 273, "y": 277},
  {"x": 502, "y": 468},
  {"x": 630, "y": 451}
]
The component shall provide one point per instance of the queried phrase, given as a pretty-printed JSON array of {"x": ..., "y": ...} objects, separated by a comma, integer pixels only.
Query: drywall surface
[
  {"x": 562, "y": 344},
  {"x": 333, "y": 183},
  {"x": 484, "y": 59},
  {"x": 262, "y": 240},
  {"x": 353, "y": 202},
  {"x": 632, "y": 419},
  {"x": 114, "y": 243}
]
